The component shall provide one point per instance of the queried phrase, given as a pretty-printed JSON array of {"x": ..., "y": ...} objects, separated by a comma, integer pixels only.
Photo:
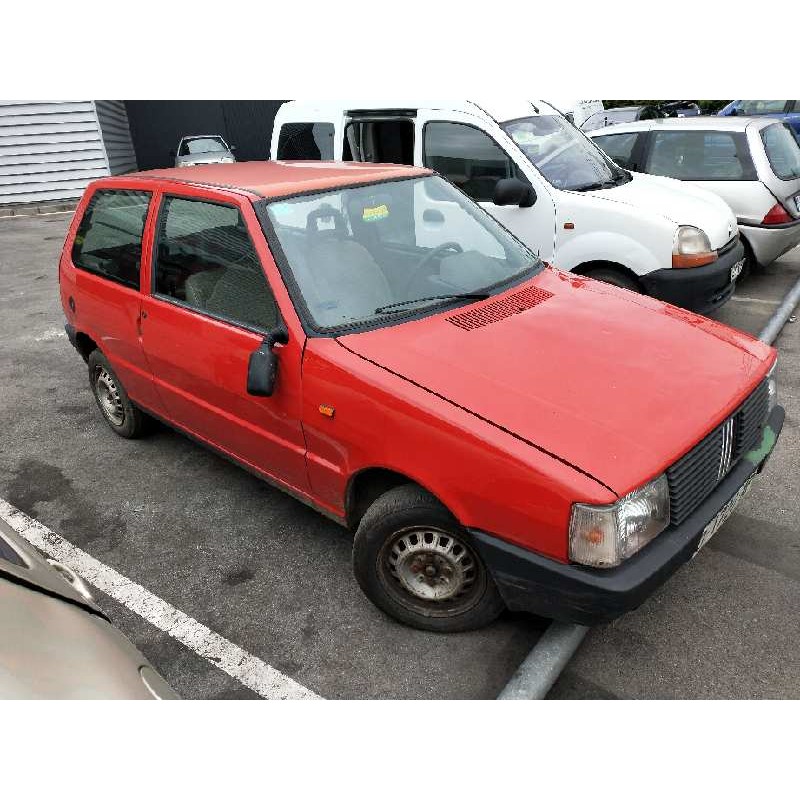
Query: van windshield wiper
[{"x": 393, "y": 308}]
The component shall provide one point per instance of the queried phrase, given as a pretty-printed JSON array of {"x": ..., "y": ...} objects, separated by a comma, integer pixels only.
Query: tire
[
  {"x": 122, "y": 416},
  {"x": 406, "y": 532},
  {"x": 616, "y": 278},
  {"x": 751, "y": 266}
]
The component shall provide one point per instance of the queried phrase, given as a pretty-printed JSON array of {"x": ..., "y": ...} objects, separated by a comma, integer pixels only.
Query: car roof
[
  {"x": 280, "y": 178},
  {"x": 500, "y": 109},
  {"x": 701, "y": 123}
]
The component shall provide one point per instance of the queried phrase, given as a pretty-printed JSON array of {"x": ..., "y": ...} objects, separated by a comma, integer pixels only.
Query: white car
[
  {"x": 546, "y": 182},
  {"x": 752, "y": 163}
]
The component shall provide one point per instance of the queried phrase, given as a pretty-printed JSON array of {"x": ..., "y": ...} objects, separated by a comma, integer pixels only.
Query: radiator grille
[
  {"x": 694, "y": 476},
  {"x": 500, "y": 309}
]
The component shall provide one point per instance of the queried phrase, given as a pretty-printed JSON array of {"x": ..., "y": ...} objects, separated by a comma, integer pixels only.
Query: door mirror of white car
[{"x": 513, "y": 192}]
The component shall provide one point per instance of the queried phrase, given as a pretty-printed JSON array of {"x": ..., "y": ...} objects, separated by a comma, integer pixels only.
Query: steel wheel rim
[
  {"x": 108, "y": 397},
  {"x": 431, "y": 570}
]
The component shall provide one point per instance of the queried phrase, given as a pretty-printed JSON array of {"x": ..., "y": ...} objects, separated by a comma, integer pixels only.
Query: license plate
[
  {"x": 722, "y": 515},
  {"x": 736, "y": 270}
]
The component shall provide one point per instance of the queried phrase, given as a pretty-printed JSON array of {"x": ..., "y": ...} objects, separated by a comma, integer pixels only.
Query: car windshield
[
  {"x": 206, "y": 144},
  {"x": 783, "y": 151},
  {"x": 370, "y": 255},
  {"x": 564, "y": 156},
  {"x": 611, "y": 116}
]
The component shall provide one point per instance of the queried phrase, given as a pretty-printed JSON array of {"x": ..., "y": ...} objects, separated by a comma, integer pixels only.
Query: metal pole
[
  {"x": 540, "y": 670},
  {"x": 781, "y": 315}
]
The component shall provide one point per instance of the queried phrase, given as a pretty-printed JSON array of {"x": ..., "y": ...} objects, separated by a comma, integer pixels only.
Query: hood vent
[{"x": 500, "y": 309}]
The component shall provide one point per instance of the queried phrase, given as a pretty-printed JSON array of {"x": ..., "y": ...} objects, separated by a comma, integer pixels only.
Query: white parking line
[
  {"x": 740, "y": 299},
  {"x": 239, "y": 664}
]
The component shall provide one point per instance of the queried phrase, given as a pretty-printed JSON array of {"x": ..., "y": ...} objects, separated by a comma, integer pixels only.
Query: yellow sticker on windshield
[{"x": 376, "y": 213}]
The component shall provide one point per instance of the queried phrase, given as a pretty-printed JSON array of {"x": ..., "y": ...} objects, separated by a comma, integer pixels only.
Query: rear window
[
  {"x": 306, "y": 141},
  {"x": 109, "y": 238},
  {"x": 783, "y": 151},
  {"x": 202, "y": 144},
  {"x": 700, "y": 156}
]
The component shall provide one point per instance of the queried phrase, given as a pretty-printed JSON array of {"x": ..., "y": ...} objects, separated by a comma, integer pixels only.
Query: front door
[
  {"x": 210, "y": 308},
  {"x": 473, "y": 160}
]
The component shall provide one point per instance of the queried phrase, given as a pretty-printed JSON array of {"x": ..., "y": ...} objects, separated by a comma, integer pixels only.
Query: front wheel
[
  {"x": 416, "y": 563},
  {"x": 615, "y": 278}
]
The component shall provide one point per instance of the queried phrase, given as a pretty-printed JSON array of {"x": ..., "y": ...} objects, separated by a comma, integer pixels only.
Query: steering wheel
[{"x": 428, "y": 257}]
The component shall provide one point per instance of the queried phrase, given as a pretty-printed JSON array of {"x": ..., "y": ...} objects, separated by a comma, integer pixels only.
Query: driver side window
[{"x": 467, "y": 157}]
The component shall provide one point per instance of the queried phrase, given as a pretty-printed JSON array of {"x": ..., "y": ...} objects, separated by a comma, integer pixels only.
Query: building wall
[
  {"x": 158, "y": 125},
  {"x": 113, "y": 121},
  {"x": 49, "y": 151}
]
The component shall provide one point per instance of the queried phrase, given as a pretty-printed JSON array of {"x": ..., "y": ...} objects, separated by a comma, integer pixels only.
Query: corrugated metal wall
[
  {"x": 50, "y": 151},
  {"x": 116, "y": 136}
]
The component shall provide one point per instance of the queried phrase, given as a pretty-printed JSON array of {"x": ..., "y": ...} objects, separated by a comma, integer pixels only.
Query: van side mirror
[
  {"x": 262, "y": 368},
  {"x": 513, "y": 192}
]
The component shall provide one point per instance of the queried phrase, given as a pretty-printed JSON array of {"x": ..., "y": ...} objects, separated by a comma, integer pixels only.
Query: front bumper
[
  {"x": 586, "y": 596},
  {"x": 771, "y": 242},
  {"x": 700, "y": 289}
]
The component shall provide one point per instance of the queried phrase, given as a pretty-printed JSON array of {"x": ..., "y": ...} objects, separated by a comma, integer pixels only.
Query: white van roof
[{"x": 499, "y": 109}]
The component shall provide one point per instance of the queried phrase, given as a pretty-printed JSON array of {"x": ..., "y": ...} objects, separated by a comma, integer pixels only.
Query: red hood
[{"x": 617, "y": 384}]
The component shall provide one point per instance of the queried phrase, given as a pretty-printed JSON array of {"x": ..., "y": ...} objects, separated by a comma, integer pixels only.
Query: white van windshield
[{"x": 564, "y": 156}]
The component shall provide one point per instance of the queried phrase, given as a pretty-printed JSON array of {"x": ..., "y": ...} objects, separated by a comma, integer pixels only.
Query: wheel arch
[
  {"x": 85, "y": 345},
  {"x": 587, "y": 267},
  {"x": 368, "y": 484}
]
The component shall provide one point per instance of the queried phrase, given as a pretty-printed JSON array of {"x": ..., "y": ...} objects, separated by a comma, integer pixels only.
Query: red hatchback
[{"x": 496, "y": 432}]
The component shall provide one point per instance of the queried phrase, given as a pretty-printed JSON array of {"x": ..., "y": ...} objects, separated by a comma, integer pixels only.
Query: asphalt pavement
[{"x": 274, "y": 577}]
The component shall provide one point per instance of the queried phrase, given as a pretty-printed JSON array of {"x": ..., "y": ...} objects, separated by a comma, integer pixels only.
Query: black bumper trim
[
  {"x": 572, "y": 593},
  {"x": 700, "y": 289}
]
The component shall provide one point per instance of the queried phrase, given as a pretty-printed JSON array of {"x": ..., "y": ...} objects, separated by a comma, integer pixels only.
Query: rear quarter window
[
  {"x": 700, "y": 156},
  {"x": 783, "y": 151},
  {"x": 109, "y": 238},
  {"x": 306, "y": 141}
]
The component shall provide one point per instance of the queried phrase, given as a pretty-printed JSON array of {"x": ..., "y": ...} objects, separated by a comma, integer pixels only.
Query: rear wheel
[
  {"x": 416, "y": 563},
  {"x": 615, "y": 278},
  {"x": 124, "y": 418}
]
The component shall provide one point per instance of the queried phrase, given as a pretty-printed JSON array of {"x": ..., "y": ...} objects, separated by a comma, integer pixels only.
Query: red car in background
[{"x": 496, "y": 432}]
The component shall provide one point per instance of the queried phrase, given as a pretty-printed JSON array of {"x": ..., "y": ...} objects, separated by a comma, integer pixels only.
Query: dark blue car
[{"x": 787, "y": 110}]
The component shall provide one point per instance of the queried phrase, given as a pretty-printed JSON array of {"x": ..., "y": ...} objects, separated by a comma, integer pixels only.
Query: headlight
[
  {"x": 691, "y": 248},
  {"x": 604, "y": 536},
  {"x": 772, "y": 389}
]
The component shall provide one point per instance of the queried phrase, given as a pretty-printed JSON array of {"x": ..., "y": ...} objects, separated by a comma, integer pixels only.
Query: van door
[
  {"x": 474, "y": 157},
  {"x": 210, "y": 308}
]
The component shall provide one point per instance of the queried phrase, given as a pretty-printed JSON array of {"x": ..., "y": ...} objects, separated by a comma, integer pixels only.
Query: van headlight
[
  {"x": 691, "y": 248},
  {"x": 772, "y": 389},
  {"x": 604, "y": 536}
]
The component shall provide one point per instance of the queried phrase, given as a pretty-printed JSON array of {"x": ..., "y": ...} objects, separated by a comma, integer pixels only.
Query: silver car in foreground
[
  {"x": 753, "y": 163},
  {"x": 205, "y": 149},
  {"x": 56, "y": 643}
]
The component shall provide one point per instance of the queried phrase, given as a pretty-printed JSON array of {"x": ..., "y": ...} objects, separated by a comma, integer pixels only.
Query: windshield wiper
[{"x": 393, "y": 308}]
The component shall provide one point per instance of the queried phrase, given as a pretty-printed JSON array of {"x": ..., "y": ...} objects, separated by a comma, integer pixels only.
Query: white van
[{"x": 556, "y": 190}]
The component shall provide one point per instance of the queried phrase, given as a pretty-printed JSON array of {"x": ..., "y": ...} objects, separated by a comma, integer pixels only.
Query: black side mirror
[
  {"x": 513, "y": 192},
  {"x": 262, "y": 368},
  {"x": 433, "y": 216}
]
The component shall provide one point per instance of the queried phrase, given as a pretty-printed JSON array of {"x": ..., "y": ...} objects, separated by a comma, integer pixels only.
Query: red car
[{"x": 496, "y": 432}]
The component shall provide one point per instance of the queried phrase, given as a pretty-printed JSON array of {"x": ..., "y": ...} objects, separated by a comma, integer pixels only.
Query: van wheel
[
  {"x": 121, "y": 415},
  {"x": 415, "y": 562},
  {"x": 615, "y": 279}
]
